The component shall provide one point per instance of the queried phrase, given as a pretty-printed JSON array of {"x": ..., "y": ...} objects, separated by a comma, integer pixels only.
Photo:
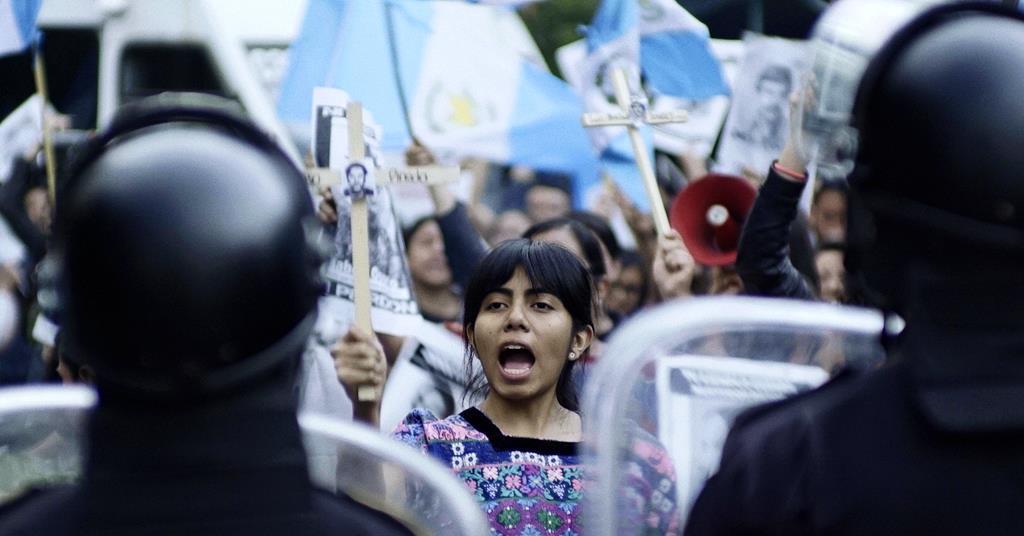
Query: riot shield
[
  {"x": 43, "y": 431},
  {"x": 658, "y": 405},
  {"x": 389, "y": 476}
]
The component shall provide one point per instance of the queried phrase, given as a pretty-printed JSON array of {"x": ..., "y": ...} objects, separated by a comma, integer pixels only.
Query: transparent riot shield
[
  {"x": 389, "y": 476},
  {"x": 41, "y": 431},
  {"x": 42, "y": 439},
  {"x": 658, "y": 404}
]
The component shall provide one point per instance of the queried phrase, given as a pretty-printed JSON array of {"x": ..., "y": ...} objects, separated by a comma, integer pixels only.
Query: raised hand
[
  {"x": 673, "y": 267},
  {"x": 360, "y": 362}
]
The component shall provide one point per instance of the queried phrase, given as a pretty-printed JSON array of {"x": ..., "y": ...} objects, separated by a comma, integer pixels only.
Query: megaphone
[{"x": 709, "y": 214}]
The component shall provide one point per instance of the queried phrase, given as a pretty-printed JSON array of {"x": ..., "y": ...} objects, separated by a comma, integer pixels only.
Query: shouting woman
[{"x": 528, "y": 320}]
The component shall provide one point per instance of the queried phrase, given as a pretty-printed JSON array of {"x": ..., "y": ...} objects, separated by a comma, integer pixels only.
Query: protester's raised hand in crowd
[
  {"x": 693, "y": 165},
  {"x": 327, "y": 210},
  {"x": 640, "y": 223},
  {"x": 359, "y": 361},
  {"x": 794, "y": 154},
  {"x": 673, "y": 267},
  {"x": 419, "y": 155}
]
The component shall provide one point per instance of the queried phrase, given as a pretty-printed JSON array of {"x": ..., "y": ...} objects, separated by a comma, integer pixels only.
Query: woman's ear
[{"x": 581, "y": 340}]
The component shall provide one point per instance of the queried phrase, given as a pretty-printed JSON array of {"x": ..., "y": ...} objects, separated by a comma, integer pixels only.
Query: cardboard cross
[
  {"x": 320, "y": 177},
  {"x": 634, "y": 113}
]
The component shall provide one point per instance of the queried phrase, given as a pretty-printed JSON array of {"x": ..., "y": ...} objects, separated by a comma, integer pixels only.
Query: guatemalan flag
[
  {"x": 655, "y": 39},
  {"x": 17, "y": 25},
  {"x": 468, "y": 90}
]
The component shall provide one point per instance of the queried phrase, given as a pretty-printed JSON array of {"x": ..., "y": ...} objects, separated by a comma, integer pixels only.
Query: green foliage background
[{"x": 555, "y": 23}]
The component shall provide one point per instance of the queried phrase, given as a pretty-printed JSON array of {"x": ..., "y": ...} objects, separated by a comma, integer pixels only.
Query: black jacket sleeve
[
  {"x": 463, "y": 246},
  {"x": 763, "y": 258}
]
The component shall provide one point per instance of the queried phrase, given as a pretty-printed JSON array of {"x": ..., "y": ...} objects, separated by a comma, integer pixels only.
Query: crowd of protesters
[{"x": 505, "y": 255}]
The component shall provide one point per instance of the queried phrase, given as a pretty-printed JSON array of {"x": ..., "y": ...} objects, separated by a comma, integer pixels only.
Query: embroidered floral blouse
[{"x": 532, "y": 486}]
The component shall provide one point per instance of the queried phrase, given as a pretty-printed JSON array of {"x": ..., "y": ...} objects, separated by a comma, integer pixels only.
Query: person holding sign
[{"x": 528, "y": 322}]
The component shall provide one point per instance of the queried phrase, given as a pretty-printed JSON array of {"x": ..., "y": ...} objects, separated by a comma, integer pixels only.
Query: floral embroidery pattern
[{"x": 531, "y": 493}]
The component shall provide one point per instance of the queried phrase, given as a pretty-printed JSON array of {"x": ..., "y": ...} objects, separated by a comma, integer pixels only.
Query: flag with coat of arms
[{"x": 452, "y": 71}]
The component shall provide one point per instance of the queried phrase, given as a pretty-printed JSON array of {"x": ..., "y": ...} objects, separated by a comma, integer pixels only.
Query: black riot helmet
[
  {"x": 184, "y": 242},
  {"x": 938, "y": 179}
]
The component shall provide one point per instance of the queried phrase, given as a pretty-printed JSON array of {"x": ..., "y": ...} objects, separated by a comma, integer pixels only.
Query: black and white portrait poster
[
  {"x": 394, "y": 309},
  {"x": 698, "y": 398},
  {"x": 758, "y": 121}
]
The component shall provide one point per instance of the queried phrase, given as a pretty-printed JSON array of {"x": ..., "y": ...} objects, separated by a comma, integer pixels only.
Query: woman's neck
[
  {"x": 438, "y": 302},
  {"x": 542, "y": 418}
]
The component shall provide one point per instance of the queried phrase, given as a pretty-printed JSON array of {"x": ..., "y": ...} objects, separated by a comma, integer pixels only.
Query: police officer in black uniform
[
  {"x": 934, "y": 442},
  {"x": 188, "y": 281}
]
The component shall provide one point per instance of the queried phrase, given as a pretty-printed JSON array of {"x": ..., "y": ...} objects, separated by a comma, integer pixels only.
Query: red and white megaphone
[{"x": 709, "y": 214}]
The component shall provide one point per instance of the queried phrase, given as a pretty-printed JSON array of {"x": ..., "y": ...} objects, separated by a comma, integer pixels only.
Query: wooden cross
[
  {"x": 632, "y": 114},
  {"x": 320, "y": 177}
]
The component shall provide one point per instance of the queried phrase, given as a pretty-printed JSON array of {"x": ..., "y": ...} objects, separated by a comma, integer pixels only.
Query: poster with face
[
  {"x": 698, "y": 398},
  {"x": 758, "y": 123},
  {"x": 394, "y": 309}
]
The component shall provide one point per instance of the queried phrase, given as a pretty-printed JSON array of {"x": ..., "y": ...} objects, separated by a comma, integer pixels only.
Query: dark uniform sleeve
[
  {"x": 462, "y": 244},
  {"x": 761, "y": 484},
  {"x": 762, "y": 261}
]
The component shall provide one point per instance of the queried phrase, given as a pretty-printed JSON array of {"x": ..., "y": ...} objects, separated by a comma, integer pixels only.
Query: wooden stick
[
  {"x": 360, "y": 240},
  {"x": 51, "y": 165},
  {"x": 643, "y": 161}
]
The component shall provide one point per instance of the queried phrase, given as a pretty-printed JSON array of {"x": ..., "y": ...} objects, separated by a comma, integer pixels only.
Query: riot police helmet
[
  {"x": 937, "y": 179},
  {"x": 185, "y": 240}
]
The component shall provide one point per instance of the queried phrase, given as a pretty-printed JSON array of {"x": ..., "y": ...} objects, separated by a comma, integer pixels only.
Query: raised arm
[
  {"x": 463, "y": 245},
  {"x": 762, "y": 261}
]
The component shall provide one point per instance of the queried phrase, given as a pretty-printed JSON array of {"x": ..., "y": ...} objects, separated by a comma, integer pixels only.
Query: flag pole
[
  {"x": 51, "y": 169},
  {"x": 393, "y": 51}
]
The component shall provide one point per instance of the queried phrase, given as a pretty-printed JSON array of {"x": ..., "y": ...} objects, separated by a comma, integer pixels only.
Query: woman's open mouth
[{"x": 516, "y": 361}]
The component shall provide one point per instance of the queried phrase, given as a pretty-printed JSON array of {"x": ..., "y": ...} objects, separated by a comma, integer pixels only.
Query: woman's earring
[{"x": 572, "y": 356}]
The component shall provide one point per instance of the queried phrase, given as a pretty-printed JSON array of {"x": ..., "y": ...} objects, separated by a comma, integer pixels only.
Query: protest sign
[
  {"x": 698, "y": 397},
  {"x": 758, "y": 122},
  {"x": 392, "y": 304}
]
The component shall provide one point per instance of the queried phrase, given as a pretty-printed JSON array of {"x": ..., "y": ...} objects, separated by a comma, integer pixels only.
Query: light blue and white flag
[
  {"x": 17, "y": 25},
  {"x": 656, "y": 38},
  {"x": 468, "y": 90},
  {"x": 675, "y": 52}
]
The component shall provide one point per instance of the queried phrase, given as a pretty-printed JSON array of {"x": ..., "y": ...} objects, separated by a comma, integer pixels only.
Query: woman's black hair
[
  {"x": 600, "y": 226},
  {"x": 830, "y": 185},
  {"x": 589, "y": 242},
  {"x": 631, "y": 258},
  {"x": 831, "y": 245},
  {"x": 411, "y": 229},
  {"x": 549, "y": 267}
]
